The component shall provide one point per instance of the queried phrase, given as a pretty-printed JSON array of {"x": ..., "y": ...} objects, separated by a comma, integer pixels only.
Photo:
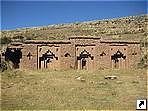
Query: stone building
[{"x": 88, "y": 53}]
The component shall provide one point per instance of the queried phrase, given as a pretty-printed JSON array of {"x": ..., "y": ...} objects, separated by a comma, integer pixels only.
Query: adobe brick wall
[
  {"x": 26, "y": 61},
  {"x": 78, "y": 53},
  {"x": 134, "y": 54},
  {"x": 127, "y": 48},
  {"x": 88, "y": 45},
  {"x": 67, "y": 56},
  {"x": 55, "y": 49}
]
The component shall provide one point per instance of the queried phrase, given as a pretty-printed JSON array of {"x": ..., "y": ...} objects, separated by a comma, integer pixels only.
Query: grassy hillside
[
  {"x": 127, "y": 28},
  {"x": 61, "y": 90},
  {"x": 132, "y": 27},
  {"x": 54, "y": 90}
]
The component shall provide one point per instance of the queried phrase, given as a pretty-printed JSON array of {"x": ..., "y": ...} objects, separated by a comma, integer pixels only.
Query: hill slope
[{"x": 132, "y": 27}]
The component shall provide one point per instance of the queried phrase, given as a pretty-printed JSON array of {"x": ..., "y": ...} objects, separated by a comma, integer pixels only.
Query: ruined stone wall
[
  {"x": 102, "y": 56},
  {"x": 85, "y": 41},
  {"x": 85, "y": 51},
  {"x": 134, "y": 54},
  {"x": 128, "y": 52},
  {"x": 67, "y": 57},
  {"x": 107, "y": 51},
  {"x": 123, "y": 61},
  {"x": 90, "y": 61},
  {"x": 29, "y": 57},
  {"x": 52, "y": 50},
  {"x": 79, "y": 53}
]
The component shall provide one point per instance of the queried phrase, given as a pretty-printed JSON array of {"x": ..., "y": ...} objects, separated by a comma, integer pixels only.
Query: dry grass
[
  {"x": 127, "y": 28},
  {"x": 61, "y": 90}
]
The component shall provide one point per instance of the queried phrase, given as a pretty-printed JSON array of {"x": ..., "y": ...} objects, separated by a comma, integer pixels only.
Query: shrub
[
  {"x": 28, "y": 38},
  {"x": 143, "y": 63},
  {"x": 5, "y": 40},
  {"x": 18, "y": 37},
  {"x": 3, "y": 66}
]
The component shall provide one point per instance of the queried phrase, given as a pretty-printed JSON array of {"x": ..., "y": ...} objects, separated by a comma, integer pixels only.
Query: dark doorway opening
[
  {"x": 14, "y": 55},
  {"x": 83, "y": 63},
  {"x": 115, "y": 58}
]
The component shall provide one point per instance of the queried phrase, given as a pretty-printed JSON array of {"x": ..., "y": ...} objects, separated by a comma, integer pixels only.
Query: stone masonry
[{"x": 87, "y": 53}]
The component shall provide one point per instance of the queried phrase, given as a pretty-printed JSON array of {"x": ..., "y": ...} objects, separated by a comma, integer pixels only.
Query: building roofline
[
  {"x": 84, "y": 37},
  {"x": 120, "y": 41},
  {"x": 47, "y": 42}
]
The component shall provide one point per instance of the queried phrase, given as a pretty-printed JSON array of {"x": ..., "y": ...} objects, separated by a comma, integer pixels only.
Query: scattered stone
[
  {"x": 11, "y": 83},
  {"x": 80, "y": 79},
  {"x": 110, "y": 77},
  {"x": 92, "y": 82},
  {"x": 135, "y": 81}
]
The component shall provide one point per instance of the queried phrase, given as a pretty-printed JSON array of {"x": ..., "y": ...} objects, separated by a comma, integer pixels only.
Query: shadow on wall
[
  {"x": 82, "y": 59},
  {"x": 47, "y": 57},
  {"x": 115, "y": 57},
  {"x": 14, "y": 55}
]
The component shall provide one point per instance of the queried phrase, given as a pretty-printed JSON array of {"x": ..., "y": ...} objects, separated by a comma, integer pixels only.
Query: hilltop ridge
[{"x": 127, "y": 28}]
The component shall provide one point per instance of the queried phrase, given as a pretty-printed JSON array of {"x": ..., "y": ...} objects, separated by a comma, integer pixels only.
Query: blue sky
[{"x": 25, "y": 13}]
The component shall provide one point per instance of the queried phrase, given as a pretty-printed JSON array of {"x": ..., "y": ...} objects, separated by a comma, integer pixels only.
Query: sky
[{"x": 25, "y": 13}]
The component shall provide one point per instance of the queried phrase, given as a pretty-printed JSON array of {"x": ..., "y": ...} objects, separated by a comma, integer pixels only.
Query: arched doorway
[
  {"x": 118, "y": 59},
  {"x": 47, "y": 60},
  {"x": 84, "y": 60}
]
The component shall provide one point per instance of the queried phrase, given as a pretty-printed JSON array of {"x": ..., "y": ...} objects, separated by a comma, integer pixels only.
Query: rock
[
  {"x": 11, "y": 83},
  {"x": 102, "y": 83},
  {"x": 92, "y": 82},
  {"x": 110, "y": 77},
  {"x": 135, "y": 81},
  {"x": 80, "y": 79}
]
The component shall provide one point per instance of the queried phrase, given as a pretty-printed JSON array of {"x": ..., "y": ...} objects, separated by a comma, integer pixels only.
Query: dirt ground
[{"x": 72, "y": 89}]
